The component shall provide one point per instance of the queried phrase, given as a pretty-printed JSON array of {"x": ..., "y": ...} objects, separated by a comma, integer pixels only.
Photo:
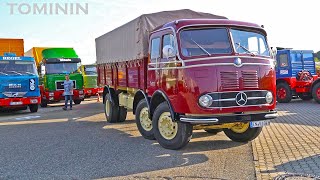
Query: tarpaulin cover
[{"x": 130, "y": 41}]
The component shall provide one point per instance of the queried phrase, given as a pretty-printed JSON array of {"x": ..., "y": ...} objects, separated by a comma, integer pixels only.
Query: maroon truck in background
[{"x": 183, "y": 70}]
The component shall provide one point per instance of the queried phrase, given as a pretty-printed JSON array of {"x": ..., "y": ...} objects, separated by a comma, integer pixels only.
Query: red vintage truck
[{"x": 180, "y": 71}]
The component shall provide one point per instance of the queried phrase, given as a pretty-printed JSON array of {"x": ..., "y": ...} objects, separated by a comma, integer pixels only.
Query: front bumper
[
  {"x": 232, "y": 118},
  {"x": 16, "y": 102}
]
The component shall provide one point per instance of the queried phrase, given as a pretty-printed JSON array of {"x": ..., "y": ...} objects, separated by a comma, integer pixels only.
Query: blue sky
[{"x": 289, "y": 24}]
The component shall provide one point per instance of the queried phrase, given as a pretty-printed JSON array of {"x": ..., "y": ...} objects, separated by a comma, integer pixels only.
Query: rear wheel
[
  {"x": 284, "y": 94},
  {"x": 77, "y": 101},
  {"x": 316, "y": 92},
  {"x": 122, "y": 114},
  {"x": 242, "y": 132},
  {"x": 213, "y": 131},
  {"x": 305, "y": 96},
  {"x": 111, "y": 110},
  {"x": 170, "y": 134},
  {"x": 33, "y": 108},
  {"x": 144, "y": 123}
]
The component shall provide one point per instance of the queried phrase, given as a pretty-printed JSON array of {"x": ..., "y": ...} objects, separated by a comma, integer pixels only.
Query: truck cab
[
  {"x": 53, "y": 64},
  {"x": 296, "y": 74},
  {"x": 90, "y": 76},
  {"x": 19, "y": 83}
]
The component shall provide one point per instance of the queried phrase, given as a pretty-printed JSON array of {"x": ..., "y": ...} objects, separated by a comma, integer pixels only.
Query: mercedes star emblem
[{"x": 241, "y": 99}]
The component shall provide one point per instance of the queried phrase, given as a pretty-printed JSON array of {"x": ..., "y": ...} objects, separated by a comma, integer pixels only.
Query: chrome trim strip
[
  {"x": 271, "y": 116},
  {"x": 193, "y": 120},
  {"x": 233, "y": 99},
  {"x": 236, "y": 91},
  {"x": 238, "y": 106},
  {"x": 212, "y": 64},
  {"x": 225, "y": 57}
]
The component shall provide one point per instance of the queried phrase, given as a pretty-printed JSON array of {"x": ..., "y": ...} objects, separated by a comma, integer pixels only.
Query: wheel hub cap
[
  {"x": 107, "y": 107},
  {"x": 282, "y": 93},
  {"x": 145, "y": 122},
  {"x": 167, "y": 128},
  {"x": 240, "y": 127}
]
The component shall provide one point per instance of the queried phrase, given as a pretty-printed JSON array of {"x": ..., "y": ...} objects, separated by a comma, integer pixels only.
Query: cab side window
[
  {"x": 168, "y": 39},
  {"x": 283, "y": 60},
  {"x": 155, "y": 49}
]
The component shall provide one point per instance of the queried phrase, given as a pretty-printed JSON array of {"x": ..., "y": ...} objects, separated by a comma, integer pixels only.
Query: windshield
[
  {"x": 61, "y": 68},
  {"x": 17, "y": 68},
  {"x": 90, "y": 70},
  {"x": 198, "y": 42},
  {"x": 248, "y": 42}
]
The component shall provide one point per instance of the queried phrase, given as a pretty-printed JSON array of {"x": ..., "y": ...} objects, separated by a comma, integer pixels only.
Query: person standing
[{"x": 68, "y": 92}]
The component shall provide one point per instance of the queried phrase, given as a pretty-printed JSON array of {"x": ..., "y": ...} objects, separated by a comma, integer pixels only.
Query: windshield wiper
[
  {"x": 15, "y": 72},
  {"x": 203, "y": 49},
  {"x": 244, "y": 48}
]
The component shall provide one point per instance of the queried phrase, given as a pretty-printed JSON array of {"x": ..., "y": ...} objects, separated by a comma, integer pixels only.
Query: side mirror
[{"x": 168, "y": 51}]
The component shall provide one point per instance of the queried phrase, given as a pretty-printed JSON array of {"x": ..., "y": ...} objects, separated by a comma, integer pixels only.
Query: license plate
[
  {"x": 16, "y": 103},
  {"x": 259, "y": 123}
]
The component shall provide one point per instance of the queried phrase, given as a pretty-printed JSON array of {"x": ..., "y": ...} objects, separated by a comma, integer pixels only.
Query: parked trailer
[
  {"x": 53, "y": 64},
  {"x": 182, "y": 70},
  {"x": 296, "y": 75}
]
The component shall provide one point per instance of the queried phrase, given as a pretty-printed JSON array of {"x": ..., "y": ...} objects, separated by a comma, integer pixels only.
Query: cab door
[
  {"x": 283, "y": 65},
  {"x": 153, "y": 64}
]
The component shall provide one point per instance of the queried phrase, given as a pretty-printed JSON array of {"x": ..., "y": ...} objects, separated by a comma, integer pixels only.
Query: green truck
[
  {"x": 90, "y": 76},
  {"x": 53, "y": 64}
]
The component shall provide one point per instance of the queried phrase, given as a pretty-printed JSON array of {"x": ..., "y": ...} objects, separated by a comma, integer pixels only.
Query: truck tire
[
  {"x": 44, "y": 103},
  {"x": 170, "y": 134},
  {"x": 33, "y": 108},
  {"x": 77, "y": 101},
  {"x": 284, "y": 94},
  {"x": 213, "y": 131},
  {"x": 242, "y": 132},
  {"x": 111, "y": 111},
  {"x": 305, "y": 96},
  {"x": 122, "y": 114},
  {"x": 144, "y": 124},
  {"x": 316, "y": 92}
]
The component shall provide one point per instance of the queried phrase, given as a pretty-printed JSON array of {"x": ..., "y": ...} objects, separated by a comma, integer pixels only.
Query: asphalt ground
[{"x": 80, "y": 144}]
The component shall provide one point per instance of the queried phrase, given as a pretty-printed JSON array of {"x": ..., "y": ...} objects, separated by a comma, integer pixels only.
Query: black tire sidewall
[
  {"x": 33, "y": 108},
  {"x": 122, "y": 114},
  {"x": 288, "y": 93},
  {"x": 314, "y": 92},
  {"x": 146, "y": 134},
  {"x": 113, "y": 111},
  {"x": 183, "y": 135},
  {"x": 248, "y": 135}
]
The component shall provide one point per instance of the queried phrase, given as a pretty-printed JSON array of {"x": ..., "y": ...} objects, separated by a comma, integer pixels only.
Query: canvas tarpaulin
[{"x": 130, "y": 41}]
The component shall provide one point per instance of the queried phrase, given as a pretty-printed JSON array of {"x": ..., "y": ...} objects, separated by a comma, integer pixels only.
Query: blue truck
[
  {"x": 19, "y": 87},
  {"x": 296, "y": 75}
]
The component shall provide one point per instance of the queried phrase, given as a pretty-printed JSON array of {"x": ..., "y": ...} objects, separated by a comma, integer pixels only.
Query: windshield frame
[
  {"x": 233, "y": 48},
  {"x": 204, "y": 53},
  {"x": 15, "y": 72}
]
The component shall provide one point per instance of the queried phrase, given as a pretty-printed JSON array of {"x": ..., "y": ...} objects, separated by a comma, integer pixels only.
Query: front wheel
[
  {"x": 77, "y": 101},
  {"x": 33, "y": 108},
  {"x": 144, "y": 123},
  {"x": 284, "y": 94},
  {"x": 170, "y": 134},
  {"x": 242, "y": 132},
  {"x": 316, "y": 92}
]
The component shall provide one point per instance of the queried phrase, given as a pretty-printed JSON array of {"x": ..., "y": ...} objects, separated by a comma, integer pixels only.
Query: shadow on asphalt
[{"x": 83, "y": 149}]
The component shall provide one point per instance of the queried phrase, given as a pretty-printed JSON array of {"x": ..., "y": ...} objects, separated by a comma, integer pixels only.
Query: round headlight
[
  {"x": 269, "y": 97},
  {"x": 205, "y": 100}
]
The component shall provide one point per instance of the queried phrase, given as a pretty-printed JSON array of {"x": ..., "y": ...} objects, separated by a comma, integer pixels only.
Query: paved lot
[
  {"x": 291, "y": 145},
  {"x": 79, "y": 144}
]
